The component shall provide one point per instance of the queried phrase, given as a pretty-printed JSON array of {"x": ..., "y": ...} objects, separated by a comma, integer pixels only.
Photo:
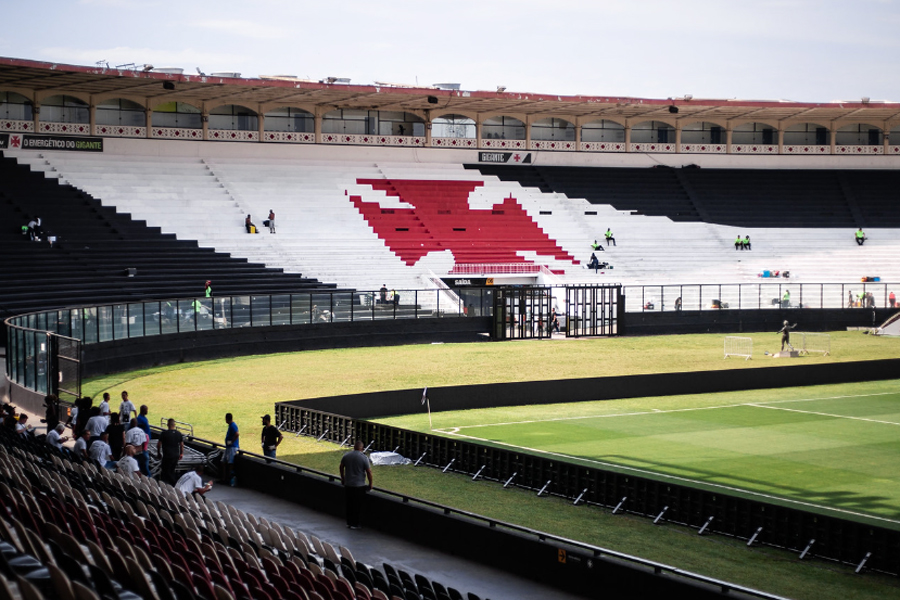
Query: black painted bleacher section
[
  {"x": 804, "y": 198},
  {"x": 97, "y": 245}
]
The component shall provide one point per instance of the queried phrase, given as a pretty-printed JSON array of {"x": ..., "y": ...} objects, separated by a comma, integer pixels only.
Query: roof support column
[
  {"x": 478, "y": 132},
  {"x": 428, "y": 132},
  {"x": 678, "y": 137},
  {"x": 261, "y": 120},
  {"x": 317, "y": 127},
  {"x": 36, "y": 108},
  {"x": 833, "y": 139},
  {"x": 92, "y": 117},
  {"x": 780, "y": 139},
  {"x": 627, "y": 137},
  {"x": 728, "y": 137},
  {"x": 886, "y": 138},
  {"x": 204, "y": 120},
  {"x": 148, "y": 121},
  {"x": 577, "y": 135},
  {"x": 528, "y": 132}
]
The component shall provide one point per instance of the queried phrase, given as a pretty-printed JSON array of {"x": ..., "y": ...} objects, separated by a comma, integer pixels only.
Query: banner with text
[{"x": 21, "y": 141}]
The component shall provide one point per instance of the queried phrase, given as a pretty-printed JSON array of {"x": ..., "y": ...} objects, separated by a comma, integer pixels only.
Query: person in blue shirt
[{"x": 232, "y": 445}]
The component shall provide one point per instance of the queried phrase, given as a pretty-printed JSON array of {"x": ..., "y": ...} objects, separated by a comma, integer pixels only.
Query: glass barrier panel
[
  {"x": 150, "y": 318},
  {"x": 120, "y": 321},
  {"x": 30, "y": 366},
  {"x": 187, "y": 308},
  {"x": 135, "y": 312},
  {"x": 77, "y": 323},
  {"x": 105, "y": 323},
  {"x": 91, "y": 325},
  {"x": 240, "y": 311},
  {"x": 222, "y": 315},
  {"x": 63, "y": 327},
  {"x": 301, "y": 306},
  {"x": 343, "y": 306},
  {"x": 203, "y": 307},
  {"x": 321, "y": 308},
  {"x": 366, "y": 302},
  {"x": 12, "y": 355},
  {"x": 281, "y": 310},
  {"x": 42, "y": 345},
  {"x": 41, "y": 321},
  {"x": 168, "y": 316},
  {"x": 260, "y": 311}
]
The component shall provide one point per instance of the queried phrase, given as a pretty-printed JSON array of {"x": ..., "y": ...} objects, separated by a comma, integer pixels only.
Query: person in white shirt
[
  {"x": 97, "y": 424},
  {"x": 104, "y": 406},
  {"x": 126, "y": 408},
  {"x": 81, "y": 444},
  {"x": 102, "y": 453},
  {"x": 55, "y": 437},
  {"x": 22, "y": 427},
  {"x": 192, "y": 482},
  {"x": 127, "y": 466}
]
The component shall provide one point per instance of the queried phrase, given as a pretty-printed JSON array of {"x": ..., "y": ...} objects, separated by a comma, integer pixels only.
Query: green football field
[{"x": 834, "y": 447}]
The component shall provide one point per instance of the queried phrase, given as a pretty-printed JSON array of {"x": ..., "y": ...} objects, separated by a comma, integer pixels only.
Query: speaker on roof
[
  {"x": 168, "y": 85},
  {"x": 432, "y": 100},
  {"x": 673, "y": 109}
]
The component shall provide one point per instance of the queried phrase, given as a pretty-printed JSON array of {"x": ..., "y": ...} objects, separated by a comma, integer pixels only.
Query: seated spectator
[
  {"x": 55, "y": 437},
  {"x": 251, "y": 228},
  {"x": 192, "y": 482},
  {"x": 22, "y": 427},
  {"x": 597, "y": 246},
  {"x": 609, "y": 237},
  {"x": 100, "y": 453},
  {"x": 747, "y": 243},
  {"x": 860, "y": 237},
  {"x": 127, "y": 466},
  {"x": 81, "y": 444},
  {"x": 594, "y": 263},
  {"x": 739, "y": 243}
]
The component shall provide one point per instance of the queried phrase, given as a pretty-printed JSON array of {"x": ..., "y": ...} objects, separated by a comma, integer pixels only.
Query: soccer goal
[
  {"x": 819, "y": 343},
  {"x": 738, "y": 346}
]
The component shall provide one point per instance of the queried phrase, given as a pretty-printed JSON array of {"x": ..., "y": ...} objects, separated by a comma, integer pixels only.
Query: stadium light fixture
[{"x": 501, "y": 88}]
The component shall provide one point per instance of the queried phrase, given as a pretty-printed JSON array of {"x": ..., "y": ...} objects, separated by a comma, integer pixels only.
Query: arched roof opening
[
  {"x": 290, "y": 119},
  {"x": 503, "y": 128},
  {"x": 553, "y": 129},
  {"x": 233, "y": 117},
  {"x": 372, "y": 122},
  {"x": 603, "y": 130},
  {"x": 754, "y": 133},
  {"x": 65, "y": 109},
  {"x": 120, "y": 112},
  {"x": 806, "y": 134},
  {"x": 859, "y": 134},
  {"x": 453, "y": 126},
  {"x": 16, "y": 107},
  {"x": 652, "y": 132},
  {"x": 702, "y": 132},
  {"x": 177, "y": 114}
]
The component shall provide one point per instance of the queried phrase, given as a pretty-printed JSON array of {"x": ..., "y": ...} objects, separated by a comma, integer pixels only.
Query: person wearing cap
[{"x": 271, "y": 437}]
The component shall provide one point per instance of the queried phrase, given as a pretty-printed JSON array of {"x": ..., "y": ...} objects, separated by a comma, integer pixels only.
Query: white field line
[
  {"x": 821, "y": 414},
  {"x": 657, "y": 411},
  {"x": 657, "y": 474}
]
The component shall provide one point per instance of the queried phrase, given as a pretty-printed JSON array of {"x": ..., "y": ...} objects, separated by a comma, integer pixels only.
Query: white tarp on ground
[
  {"x": 889, "y": 327},
  {"x": 388, "y": 458}
]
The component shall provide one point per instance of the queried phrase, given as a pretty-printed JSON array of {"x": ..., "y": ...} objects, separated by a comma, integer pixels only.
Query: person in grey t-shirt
[{"x": 355, "y": 470}]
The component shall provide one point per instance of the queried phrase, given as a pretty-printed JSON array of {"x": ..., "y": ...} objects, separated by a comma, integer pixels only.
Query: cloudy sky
[{"x": 802, "y": 50}]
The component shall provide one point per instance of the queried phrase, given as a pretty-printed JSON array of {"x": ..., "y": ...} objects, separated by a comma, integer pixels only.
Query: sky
[{"x": 800, "y": 50}]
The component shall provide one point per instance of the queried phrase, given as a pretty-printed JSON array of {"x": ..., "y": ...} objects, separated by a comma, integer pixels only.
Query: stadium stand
[
  {"x": 95, "y": 248},
  {"x": 70, "y": 529}
]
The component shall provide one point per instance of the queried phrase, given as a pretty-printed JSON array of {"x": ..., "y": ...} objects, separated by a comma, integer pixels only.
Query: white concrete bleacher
[{"x": 322, "y": 235}]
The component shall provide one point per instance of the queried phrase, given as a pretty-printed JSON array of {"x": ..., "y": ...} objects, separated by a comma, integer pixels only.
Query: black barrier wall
[{"x": 769, "y": 522}]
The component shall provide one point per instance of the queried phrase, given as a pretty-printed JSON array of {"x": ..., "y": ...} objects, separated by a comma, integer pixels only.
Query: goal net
[
  {"x": 808, "y": 343},
  {"x": 738, "y": 346}
]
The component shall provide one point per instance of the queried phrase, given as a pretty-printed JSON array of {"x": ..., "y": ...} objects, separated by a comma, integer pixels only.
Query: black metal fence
[{"x": 760, "y": 522}]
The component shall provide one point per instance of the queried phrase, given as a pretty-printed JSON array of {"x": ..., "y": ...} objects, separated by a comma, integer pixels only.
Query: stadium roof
[{"x": 46, "y": 79}]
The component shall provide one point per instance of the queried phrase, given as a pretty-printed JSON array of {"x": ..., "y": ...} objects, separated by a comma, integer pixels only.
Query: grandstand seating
[
  {"x": 668, "y": 222},
  {"x": 69, "y": 529},
  {"x": 95, "y": 247}
]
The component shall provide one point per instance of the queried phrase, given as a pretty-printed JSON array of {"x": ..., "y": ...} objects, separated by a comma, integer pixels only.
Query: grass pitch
[
  {"x": 201, "y": 393},
  {"x": 829, "y": 448}
]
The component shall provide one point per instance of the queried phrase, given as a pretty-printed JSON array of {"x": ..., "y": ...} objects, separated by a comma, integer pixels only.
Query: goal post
[
  {"x": 738, "y": 346},
  {"x": 819, "y": 343}
]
